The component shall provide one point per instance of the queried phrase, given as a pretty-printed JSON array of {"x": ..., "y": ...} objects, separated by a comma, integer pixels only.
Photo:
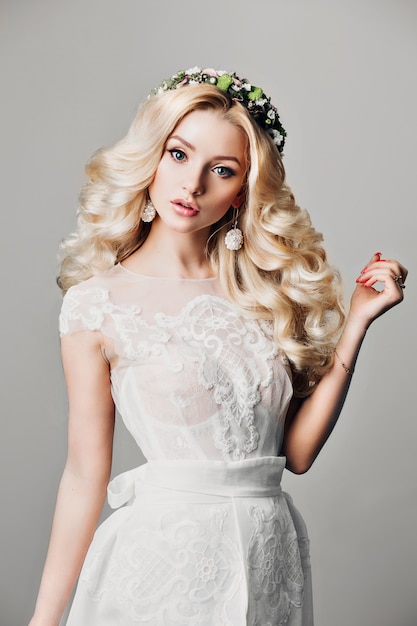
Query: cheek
[
  {"x": 234, "y": 193},
  {"x": 224, "y": 203}
]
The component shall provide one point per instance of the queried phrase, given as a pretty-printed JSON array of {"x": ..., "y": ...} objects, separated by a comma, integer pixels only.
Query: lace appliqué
[
  {"x": 193, "y": 561},
  {"x": 88, "y": 307},
  {"x": 225, "y": 344},
  {"x": 274, "y": 561},
  {"x": 233, "y": 354}
]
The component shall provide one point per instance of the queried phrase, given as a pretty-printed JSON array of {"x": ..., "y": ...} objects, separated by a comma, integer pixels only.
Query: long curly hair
[{"x": 281, "y": 274}]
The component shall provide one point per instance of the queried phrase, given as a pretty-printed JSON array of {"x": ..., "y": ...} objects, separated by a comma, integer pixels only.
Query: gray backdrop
[{"x": 343, "y": 76}]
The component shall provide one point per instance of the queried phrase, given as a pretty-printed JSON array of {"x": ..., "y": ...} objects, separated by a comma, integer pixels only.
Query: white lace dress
[{"x": 203, "y": 534}]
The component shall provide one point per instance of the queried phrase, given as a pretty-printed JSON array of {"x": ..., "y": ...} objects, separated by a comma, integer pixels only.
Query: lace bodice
[{"x": 194, "y": 377}]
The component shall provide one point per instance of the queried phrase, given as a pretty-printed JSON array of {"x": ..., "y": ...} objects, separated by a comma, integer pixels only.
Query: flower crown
[{"x": 252, "y": 98}]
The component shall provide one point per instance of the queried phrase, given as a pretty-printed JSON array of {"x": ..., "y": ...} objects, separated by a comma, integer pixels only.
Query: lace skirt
[{"x": 198, "y": 543}]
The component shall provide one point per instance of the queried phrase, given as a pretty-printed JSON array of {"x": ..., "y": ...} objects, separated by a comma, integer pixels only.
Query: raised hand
[{"x": 367, "y": 302}]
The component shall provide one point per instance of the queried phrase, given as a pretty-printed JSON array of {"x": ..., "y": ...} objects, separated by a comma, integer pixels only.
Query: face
[{"x": 201, "y": 173}]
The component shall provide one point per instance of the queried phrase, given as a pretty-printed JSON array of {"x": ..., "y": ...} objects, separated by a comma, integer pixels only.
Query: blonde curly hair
[{"x": 281, "y": 274}]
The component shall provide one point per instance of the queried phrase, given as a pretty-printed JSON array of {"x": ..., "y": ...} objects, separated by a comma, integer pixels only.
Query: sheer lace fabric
[{"x": 197, "y": 382}]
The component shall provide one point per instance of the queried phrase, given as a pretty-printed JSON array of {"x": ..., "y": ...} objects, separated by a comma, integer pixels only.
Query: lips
[{"x": 182, "y": 207}]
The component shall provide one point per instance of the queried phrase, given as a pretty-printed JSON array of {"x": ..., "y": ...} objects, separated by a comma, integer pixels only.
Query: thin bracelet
[{"x": 347, "y": 369}]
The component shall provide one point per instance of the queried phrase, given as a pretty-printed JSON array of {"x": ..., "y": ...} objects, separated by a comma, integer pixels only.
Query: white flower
[
  {"x": 193, "y": 82},
  {"x": 261, "y": 101},
  {"x": 247, "y": 86},
  {"x": 276, "y": 136},
  {"x": 193, "y": 70},
  {"x": 271, "y": 114}
]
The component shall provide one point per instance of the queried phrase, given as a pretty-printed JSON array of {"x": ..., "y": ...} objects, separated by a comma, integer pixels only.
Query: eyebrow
[{"x": 219, "y": 157}]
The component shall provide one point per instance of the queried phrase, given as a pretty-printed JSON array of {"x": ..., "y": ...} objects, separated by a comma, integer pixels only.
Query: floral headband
[{"x": 252, "y": 98}]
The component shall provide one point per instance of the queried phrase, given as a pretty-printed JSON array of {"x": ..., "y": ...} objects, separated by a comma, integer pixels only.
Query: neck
[{"x": 169, "y": 254}]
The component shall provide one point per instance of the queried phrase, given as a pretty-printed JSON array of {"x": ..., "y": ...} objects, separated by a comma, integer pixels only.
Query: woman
[{"x": 199, "y": 301}]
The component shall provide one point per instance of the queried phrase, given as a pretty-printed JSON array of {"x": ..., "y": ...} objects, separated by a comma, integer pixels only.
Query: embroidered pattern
[
  {"x": 89, "y": 306},
  {"x": 224, "y": 345},
  {"x": 177, "y": 556},
  {"x": 233, "y": 354},
  {"x": 276, "y": 574}
]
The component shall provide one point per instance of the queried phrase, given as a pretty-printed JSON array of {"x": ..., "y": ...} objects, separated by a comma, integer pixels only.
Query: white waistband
[{"x": 258, "y": 477}]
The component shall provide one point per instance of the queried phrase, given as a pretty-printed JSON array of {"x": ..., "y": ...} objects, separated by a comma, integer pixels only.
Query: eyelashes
[
  {"x": 178, "y": 155},
  {"x": 222, "y": 171}
]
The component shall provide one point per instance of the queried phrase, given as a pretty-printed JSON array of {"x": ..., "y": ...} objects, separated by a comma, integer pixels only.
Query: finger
[
  {"x": 395, "y": 266},
  {"x": 374, "y": 258},
  {"x": 369, "y": 273},
  {"x": 369, "y": 278},
  {"x": 392, "y": 287},
  {"x": 397, "y": 271},
  {"x": 390, "y": 266}
]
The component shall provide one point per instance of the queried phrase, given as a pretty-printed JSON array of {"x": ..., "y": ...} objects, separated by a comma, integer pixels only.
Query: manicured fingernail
[{"x": 378, "y": 253}]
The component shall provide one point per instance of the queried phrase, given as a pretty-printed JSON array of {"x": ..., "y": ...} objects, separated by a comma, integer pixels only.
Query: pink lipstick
[{"x": 184, "y": 208}]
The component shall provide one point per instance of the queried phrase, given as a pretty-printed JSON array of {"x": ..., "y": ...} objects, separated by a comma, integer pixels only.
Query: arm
[
  {"x": 313, "y": 420},
  {"x": 84, "y": 481}
]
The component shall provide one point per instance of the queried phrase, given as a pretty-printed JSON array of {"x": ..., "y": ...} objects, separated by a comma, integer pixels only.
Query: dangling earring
[
  {"x": 234, "y": 236},
  {"x": 149, "y": 212}
]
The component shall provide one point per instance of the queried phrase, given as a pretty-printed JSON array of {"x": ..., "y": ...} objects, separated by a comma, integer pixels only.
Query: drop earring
[
  {"x": 149, "y": 212},
  {"x": 234, "y": 236}
]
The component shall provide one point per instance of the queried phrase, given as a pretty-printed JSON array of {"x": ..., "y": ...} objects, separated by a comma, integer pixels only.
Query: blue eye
[
  {"x": 177, "y": 155},
  {"x": 223, "y": 172}
]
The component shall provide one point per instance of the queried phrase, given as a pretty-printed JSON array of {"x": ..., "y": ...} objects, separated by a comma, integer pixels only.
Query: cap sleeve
[{"x": 83, "y": 309}]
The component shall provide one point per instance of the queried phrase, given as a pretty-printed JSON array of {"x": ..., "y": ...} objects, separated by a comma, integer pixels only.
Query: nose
[{"x": 193, "y": 183}]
